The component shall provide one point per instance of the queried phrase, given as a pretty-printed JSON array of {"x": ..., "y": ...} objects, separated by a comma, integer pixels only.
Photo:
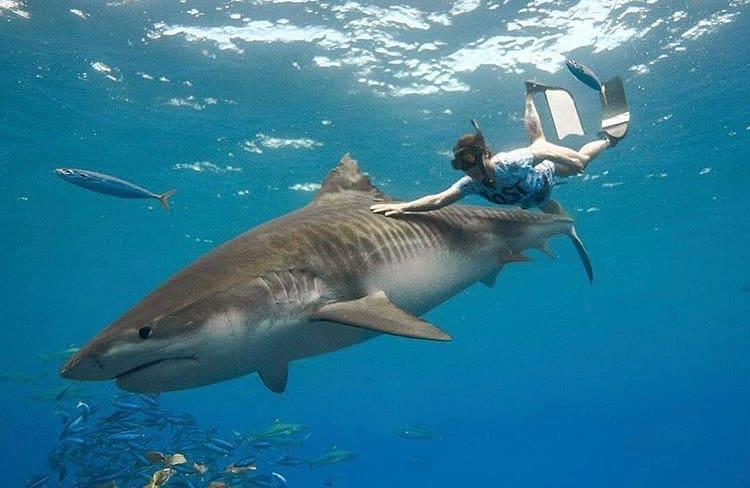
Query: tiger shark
[{"x": 327, "y": 276}]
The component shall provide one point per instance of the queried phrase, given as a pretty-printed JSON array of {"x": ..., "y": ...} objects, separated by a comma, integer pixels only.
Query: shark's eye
[{"x": 144, "y": 332}]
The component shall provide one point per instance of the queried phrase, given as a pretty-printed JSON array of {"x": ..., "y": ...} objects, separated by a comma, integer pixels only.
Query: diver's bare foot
[{"x": 611, "y": 140}]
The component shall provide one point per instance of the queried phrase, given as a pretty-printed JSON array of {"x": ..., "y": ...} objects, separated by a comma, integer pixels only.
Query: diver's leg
[
  {"x": 567, "y": 161},
  {"x": 592, "y": 149},
  {"x": 531, "y": 120}
]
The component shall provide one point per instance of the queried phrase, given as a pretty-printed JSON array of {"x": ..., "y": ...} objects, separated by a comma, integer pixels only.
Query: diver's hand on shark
[{"x": 388, "y": 209}]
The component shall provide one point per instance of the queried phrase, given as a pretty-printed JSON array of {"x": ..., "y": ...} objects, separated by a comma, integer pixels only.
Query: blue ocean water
[{"x": 640, "y": 379}]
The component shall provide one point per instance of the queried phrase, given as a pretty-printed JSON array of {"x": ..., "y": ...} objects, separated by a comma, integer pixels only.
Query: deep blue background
[{"x": 638, "y": 380}]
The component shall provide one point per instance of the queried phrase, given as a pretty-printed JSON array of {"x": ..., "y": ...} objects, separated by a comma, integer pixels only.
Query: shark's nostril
[
  {"x": 72, "y": 363},
  {"x": 84, "y": 367}
]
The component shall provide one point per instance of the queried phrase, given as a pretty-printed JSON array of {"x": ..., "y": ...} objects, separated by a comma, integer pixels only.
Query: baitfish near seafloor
[{"x": 325, "y": 277}]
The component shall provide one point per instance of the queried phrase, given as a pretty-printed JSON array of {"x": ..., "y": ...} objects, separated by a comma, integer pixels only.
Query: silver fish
[
  {"x": 110, "y": 185},
  {"x": 587, "y": 76},
  {"x": 415, "y": 432},
  {"x": 333, "y": 456}
]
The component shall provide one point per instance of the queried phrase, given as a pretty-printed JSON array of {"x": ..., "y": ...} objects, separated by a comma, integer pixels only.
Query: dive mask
[{"x": 469, "y": 153}]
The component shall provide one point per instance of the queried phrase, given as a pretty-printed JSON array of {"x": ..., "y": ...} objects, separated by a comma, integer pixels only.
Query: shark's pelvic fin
[
  {"x": 518, "y": 257},
  {"x": 377, "y": 313},
  {"x": 274, "y": 375},
  {"x": 490, "y": 279}
]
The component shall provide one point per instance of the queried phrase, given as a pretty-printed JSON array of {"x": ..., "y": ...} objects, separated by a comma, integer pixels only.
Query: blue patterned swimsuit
[{"x": 517, "y": 180}]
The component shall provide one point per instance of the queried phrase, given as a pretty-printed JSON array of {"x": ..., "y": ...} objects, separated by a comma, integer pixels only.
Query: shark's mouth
[{"x": 146, "y": 369}]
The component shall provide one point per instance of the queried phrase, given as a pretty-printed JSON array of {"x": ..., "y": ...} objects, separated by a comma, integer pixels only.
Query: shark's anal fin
[
  {"x": 274, "y": 375},
  {"x": 377, "y": 313}
]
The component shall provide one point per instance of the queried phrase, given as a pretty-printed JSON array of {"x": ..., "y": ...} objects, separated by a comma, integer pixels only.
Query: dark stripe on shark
[
  {"x": 395, "y": 240},
  {"x": 292, "y": 286}
]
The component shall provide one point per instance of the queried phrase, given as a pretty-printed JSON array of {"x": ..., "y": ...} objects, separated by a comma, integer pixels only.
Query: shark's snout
[{"x": 84, "y": 367}]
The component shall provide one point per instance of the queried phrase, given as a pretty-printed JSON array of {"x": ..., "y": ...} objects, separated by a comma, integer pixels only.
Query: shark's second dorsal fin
[{"x": 346, "y": 177}]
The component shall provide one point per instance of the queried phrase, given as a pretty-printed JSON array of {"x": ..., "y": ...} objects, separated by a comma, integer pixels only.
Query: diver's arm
[{"x": 423, "y": 204}]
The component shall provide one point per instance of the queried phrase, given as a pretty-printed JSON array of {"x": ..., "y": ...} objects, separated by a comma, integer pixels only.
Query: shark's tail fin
[
  {"x": 552, "y": 207},
  {"x": 164, "y": 199},
  {"x": 581, "y": 253}
]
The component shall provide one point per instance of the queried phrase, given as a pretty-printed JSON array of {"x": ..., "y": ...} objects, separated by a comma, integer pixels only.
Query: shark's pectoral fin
[
  {"x": 274, "y": 375},
  {"x": 376, "y": 312}
]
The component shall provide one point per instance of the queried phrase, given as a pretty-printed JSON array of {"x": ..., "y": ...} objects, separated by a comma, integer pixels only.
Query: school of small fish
[{"x": 131, "y": 441}]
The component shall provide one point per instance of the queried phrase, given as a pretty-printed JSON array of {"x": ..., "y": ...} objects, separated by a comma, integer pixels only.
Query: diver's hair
[{"x": 468, "y": 143}]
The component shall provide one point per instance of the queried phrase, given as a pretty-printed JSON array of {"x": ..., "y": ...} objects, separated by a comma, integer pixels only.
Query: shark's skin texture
[{"x": 325, "y": 277}]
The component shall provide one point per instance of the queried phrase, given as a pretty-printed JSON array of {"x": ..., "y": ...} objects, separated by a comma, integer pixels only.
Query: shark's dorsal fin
[
  {"x": 376, "y": 312},
  {"x": 553, "y": 207},
  {"x": 346, "y": 177},
  {"x": 274, "y": 375}
]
